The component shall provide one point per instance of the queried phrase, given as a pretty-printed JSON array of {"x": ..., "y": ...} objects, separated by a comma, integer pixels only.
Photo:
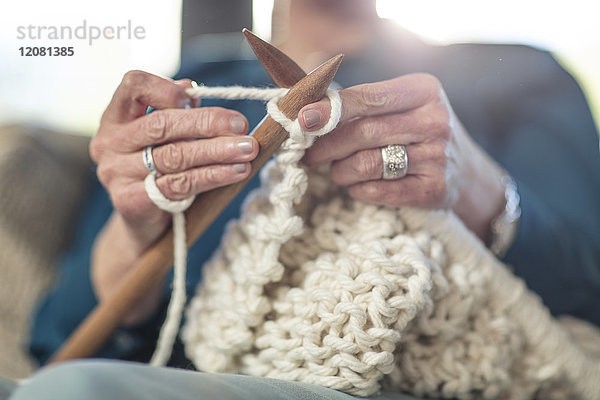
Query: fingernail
[
  {"x": 245, "y": 145},
  {"x": 237, "y": 124},
  {"x": 311, "y": 118},
  {"x": 239, "y": 168}
]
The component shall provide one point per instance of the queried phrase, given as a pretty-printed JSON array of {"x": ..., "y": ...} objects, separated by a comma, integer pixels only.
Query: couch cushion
[{"x": 42, "y": 180}]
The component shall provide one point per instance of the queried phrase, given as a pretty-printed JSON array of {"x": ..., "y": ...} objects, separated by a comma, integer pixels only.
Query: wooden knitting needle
[
  {"x": 150, "y": 270},
  {"x": 283, "y": 70}
]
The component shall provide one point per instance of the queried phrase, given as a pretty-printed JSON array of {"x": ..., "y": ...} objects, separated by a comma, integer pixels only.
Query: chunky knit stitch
[
  {"x": 313, "y": 286},
  {"x": 169, "y": 330}
]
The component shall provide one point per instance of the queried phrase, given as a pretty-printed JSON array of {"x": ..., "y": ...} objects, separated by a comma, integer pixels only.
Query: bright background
[
  {"x": 70, "y": 93},
  {"x": 570, "y": 29}
]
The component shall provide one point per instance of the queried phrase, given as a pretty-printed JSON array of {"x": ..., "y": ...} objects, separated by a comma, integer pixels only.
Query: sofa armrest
[{"x": 43, "y": 178}]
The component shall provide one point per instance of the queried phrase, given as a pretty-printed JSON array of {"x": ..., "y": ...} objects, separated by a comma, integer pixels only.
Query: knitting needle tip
[
  {"x": 283, "y": 70},
  {"x": 312, "y": 87}
]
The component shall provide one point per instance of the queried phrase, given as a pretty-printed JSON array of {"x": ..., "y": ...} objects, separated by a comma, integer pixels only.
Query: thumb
[{"x": 314, "y": 116}]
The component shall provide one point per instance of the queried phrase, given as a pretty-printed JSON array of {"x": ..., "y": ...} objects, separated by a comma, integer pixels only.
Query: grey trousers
[
  {"x": 116, "y": 380},
  {"x": 6, "y": 388}
]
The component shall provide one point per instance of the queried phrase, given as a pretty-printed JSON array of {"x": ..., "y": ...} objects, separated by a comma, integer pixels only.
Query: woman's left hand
[{"x": 446, "y": 168}]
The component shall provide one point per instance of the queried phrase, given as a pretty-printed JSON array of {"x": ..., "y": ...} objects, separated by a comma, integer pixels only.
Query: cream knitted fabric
[
  {"x": 169, "y": 330},
  {"x": 310, "y": 285}
]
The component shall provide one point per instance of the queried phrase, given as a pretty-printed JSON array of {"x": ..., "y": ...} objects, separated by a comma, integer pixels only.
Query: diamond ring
[{"x": 395, "y": 161}]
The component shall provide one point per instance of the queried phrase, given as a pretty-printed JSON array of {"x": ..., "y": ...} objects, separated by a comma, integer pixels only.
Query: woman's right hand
[{"x": 187, "y": 167}]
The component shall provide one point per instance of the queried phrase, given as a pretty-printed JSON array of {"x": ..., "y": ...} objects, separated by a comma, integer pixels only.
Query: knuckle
[
  {"x": 122, "y": 201},
  {"x": 178, "y": 184},
  {"x": 444, "y": 130},
  {"x": 436, "y": 123},
  {"x": 437, "y": 152},
  {"x": 104, "y": 173},
  {"x": 213, "y": 176},
  {"x": 172, "y": 157},
  {"x": 134, "y": 78},
  {"x": 427, "y": 123},
  {"x": 365, "y": 164},
  {"x": 432, "y": 83},
  {"x": 212, "y": 151},
  {"x": 374, "y": 95},
  {"x": 204, "y": 120},
  {"x": 155, "y": 126},
  {"x": 132, "y": 202},
  {"x": 369, "y": 130},
  {"x": 442, "y": 123},
  {"x": 96, "y": 148}
]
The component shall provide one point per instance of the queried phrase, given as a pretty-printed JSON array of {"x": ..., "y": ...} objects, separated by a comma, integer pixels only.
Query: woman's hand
[
  {"x": 187, "y": 167},
  {"x": 446, "y": 168}
]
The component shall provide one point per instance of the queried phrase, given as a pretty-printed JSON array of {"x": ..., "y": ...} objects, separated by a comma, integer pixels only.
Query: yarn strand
[
  {"x": 170, "y": 328},
  {"x": 168, "y": 332},
  {"x": 310, "y": 285}
]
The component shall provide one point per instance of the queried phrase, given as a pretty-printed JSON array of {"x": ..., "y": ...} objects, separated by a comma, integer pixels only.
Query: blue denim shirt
[{"x": 515, "y": 101}]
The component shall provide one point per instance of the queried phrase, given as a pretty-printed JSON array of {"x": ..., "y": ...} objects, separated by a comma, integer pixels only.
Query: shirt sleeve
[{"x": 72, "y": 297}]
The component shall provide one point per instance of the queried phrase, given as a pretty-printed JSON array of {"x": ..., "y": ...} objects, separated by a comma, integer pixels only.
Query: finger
[
  {"x": 165, "y": 126},
  {"x": 186, "y": 84},
  {"x": 401, "y": 94},
  {"x": 182, "y": 185},
  {"x": 367, "y": 165},
  {"x": 313, "y": 117},
  {"x": 138, "y": 91},
  {"x": 410, "y": 191},
  {"x": 183, "y": 155},
  {"x": 396, "y": 95},
  {"x": 413, "y": 126}
]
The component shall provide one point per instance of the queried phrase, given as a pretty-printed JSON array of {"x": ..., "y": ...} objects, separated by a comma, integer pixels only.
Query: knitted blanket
[{"x": 310, "y": 285}]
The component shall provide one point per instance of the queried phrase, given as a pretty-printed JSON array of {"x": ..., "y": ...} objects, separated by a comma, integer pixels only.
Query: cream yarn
[
  {"x": 310, "y": 285},
  {"x": 170, "y": 328},
  {"x": 168, "y": 332}
]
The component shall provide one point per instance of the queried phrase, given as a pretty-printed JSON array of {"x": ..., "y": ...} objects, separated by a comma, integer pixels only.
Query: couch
[{"x": 43, "y": 178}]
